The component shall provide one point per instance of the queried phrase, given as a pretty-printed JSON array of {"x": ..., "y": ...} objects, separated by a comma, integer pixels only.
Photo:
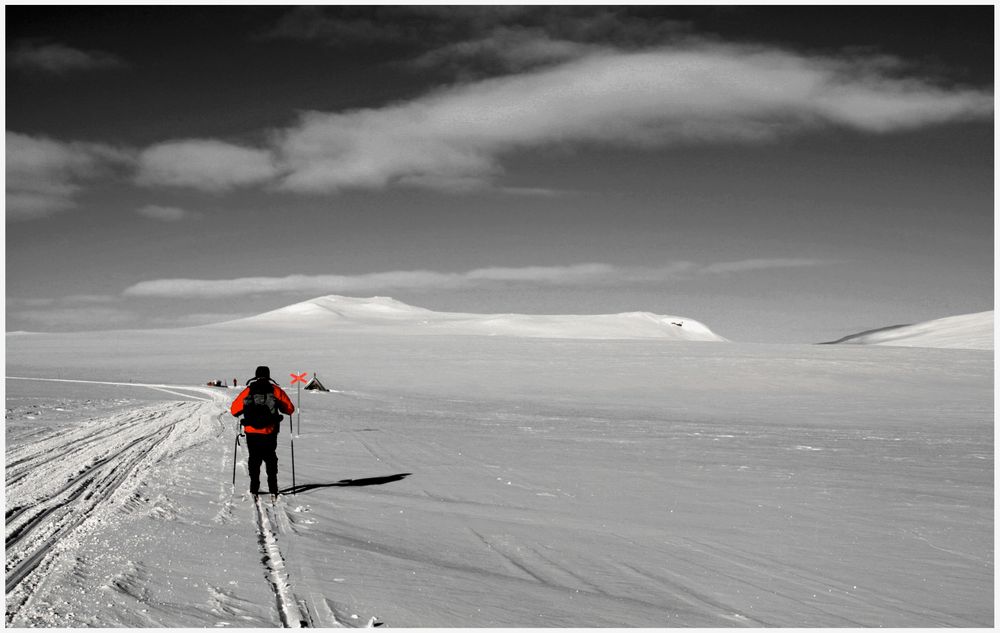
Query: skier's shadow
[{"x": 368, "y": 481}]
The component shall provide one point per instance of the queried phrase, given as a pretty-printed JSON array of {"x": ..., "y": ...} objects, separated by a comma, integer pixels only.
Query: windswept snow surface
[
  {"x": 474, "y": 481},
  {"x": 388, "y": 316},
  {"x": 965, "y": 331}
]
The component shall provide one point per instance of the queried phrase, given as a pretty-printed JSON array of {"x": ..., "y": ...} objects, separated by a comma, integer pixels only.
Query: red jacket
[{"x": 284, "y": 405}]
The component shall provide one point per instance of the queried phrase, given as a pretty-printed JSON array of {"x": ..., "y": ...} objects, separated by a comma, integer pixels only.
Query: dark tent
[{"x": 315, "y": 385}]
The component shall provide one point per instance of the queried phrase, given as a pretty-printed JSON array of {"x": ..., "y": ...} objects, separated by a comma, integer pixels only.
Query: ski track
[
  {"x": 62, "y": 485},
  {"x": 274, "y": 564},
  {"x": 311, "y": 611}
]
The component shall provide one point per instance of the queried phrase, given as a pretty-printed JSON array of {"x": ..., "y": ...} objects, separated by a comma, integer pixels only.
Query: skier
[{"x": 261, "y": 404}]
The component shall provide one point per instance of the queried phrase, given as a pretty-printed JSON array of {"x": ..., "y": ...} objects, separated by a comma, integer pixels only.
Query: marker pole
[
  {"x": 293, "y": 462},
  {"x": 298, "y": 404}
]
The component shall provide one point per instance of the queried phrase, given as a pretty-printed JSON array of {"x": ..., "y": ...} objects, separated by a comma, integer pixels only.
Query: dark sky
[
  {"x": 225, "y": 71},
  {"x": 779, "y": 173}
]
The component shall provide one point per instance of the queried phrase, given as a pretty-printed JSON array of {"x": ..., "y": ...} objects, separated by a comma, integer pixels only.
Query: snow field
[
  {"x": 543, "y": 519},
  {"x": 477, "y": 481}
]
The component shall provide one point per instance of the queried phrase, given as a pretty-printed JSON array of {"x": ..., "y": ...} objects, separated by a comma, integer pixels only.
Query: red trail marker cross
[{"x": 298, "y": 395}]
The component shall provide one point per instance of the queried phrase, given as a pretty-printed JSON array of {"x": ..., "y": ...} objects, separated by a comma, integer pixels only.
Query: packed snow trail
[
  {"x": 177, "y": 390},
  {"x": 65, "y": 483},
  {"x": 311, "y": 611},
  {"x": 288, "y": 608}
]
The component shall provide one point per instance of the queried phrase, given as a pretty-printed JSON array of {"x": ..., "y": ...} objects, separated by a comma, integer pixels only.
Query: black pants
[{"x": 263, "y": 447}]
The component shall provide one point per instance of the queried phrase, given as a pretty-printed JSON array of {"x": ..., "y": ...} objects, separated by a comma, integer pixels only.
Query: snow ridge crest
[{"x": 389, "y": 315}]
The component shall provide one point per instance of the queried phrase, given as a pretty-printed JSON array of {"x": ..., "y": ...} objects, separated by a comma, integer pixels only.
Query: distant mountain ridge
[
  {"x": 388, "y": 315},
  {"x": 964, "y": 331}
]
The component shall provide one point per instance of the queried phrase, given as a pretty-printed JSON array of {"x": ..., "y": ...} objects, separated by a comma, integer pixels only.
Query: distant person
[
  {"x": 261, "y": 404},
  {"x": 234, "y": 382}
]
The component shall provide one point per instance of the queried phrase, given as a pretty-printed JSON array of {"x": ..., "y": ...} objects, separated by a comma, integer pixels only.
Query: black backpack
[{"x": 260, "y": 407}]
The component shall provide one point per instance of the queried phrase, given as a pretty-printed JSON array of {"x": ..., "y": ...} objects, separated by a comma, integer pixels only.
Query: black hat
[{"x": 262, "y": 372}]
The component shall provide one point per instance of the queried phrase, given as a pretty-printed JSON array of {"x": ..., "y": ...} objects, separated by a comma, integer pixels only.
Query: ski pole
[{"x": 236, "y": 448}]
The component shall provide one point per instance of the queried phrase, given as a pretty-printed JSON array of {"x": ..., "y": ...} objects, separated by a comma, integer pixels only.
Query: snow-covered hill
[
  {"x": 966, "y": 331},
  {"x": 390, "y": 316}
]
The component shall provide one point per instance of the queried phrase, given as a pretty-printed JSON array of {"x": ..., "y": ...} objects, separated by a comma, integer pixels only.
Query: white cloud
[
  {"x": 511, "y": 49},
  {"x": 29, "y": 302},
  {"x": 75, "y": 318},
  {"x": 371, "y": 282},
  {"x": 71, "y": 312},
  {"x": 543, "y": 274},
  {"x": 166, "y": 214},
  {"x": 59, "y": 58},
  {"x": 190, "y": 320},
  {"x": 89, "y": 299},
  {"x": 27, "y": 205},
  {"x": 761, "y": 264},
  {"x": 595, "y": 274},
  {"x": 43, "y": 176},
  {"x": 205, "y": 164},
  {"x": 456, "y": 138},
  {"x": 438, "y": 27}
]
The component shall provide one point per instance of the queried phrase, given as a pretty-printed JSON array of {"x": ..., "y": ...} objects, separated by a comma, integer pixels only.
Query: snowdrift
[
  {"x": 966, "y": 331},
  {"x": 387, "y": 315}
]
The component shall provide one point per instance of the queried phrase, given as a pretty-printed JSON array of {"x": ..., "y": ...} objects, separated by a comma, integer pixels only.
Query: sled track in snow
[
  {"x": 76, "y": 442},
  {"x": 58, "y": 483},
  {"x": 74, "y": 504}
]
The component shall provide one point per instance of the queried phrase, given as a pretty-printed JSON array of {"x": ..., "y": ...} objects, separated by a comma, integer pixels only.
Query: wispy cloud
[
  {"x": 209, "y": 165},
  {"x": 472, "y": 32},
  {"x": 166, "y": 214},
  {"x": 89, "y": 299},
  {"x": 43, "y": 176},
  {"x": 72, "y": 318},
  {"x": 583, "y": 95},
  {"x": 458, "y": 139},
  {"x": 747, "y": 265},
  {"x": 346, "y": 26},
  {"x": 503, "y": 51},
  {"x": 541, "y": 36},
  {"x": 590, "y": 274},
  {"x": 28, "y": 302},
  {"x": 66, "y": 301},
  {"x": 71, "y": 312},
  {"x": 710, "y": 93},
  {"x": 190, "y": 320},
  {"x": 57, "y": 58},
  {"x": 370, "y": 282}
]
